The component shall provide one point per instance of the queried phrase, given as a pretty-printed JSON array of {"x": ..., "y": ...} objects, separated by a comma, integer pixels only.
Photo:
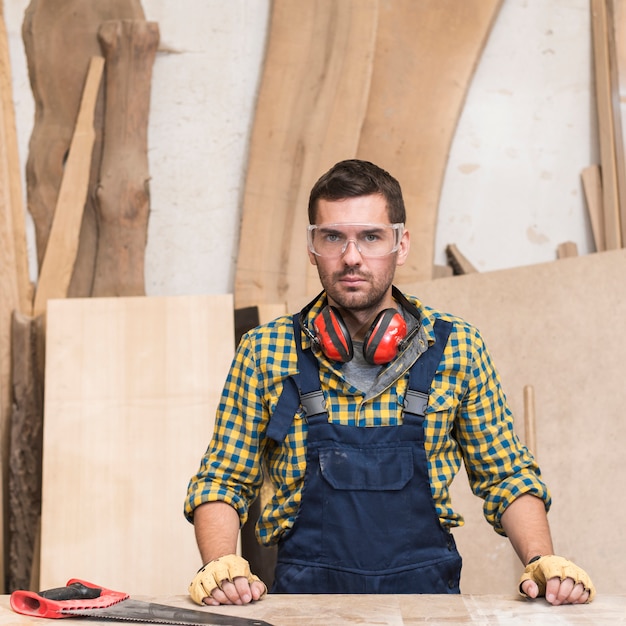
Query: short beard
[{"x": 358, "y": 301}]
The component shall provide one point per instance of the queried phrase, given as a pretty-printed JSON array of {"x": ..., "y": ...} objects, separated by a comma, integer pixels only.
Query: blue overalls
[{"x": 367, "y": 521}]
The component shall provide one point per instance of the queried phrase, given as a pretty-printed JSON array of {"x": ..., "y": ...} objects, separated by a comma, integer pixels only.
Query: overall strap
[
  {"x": 424, "y": 370},
  {"x": 301, "y": 388}
]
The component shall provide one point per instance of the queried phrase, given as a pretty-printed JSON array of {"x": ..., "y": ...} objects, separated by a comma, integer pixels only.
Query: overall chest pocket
[{"x": 371, "y": 469}]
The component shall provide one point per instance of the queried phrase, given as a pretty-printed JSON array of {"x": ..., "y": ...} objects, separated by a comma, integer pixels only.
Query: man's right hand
[{"x": 226, "y": 580}]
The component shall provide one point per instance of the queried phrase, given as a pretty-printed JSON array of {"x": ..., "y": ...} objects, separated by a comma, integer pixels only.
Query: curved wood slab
[{"x": 426, "y": 53}]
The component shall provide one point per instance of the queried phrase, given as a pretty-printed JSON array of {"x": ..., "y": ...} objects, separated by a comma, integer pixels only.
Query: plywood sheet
[
  {"x": 131, "y": 390},
  {"x": 559, "y": 327}
]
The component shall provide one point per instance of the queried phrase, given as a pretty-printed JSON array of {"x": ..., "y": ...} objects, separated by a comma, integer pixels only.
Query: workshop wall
[{"x": 512, "y": 189}]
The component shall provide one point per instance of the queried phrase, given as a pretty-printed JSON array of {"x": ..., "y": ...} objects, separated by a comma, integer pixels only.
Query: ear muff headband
[
  {"x": 332, "y": 335},
  {"x": 384, "y": 336}
]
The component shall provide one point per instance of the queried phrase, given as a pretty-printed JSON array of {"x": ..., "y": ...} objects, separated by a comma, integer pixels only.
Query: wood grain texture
[
  {"x": 555, "y": 326},
  {"x": 392, "y": 610},
  {"x": 25, "y": 449},
  {"x": 312, "y": 100},
  {"x": 592, "y": 188},
  {"x": 131, "y": 389},
  {"x": 58, "y": 263},
  {"x": 11, "y": 294},
  {"x": 12, "y": 170},
  {"x": 59, "y": 40},
  {"x": 426, "y": 54},
  {"x": 615, "y": 23},
  {"x": 123, "y": 193},
  {"x": 604, "y": 103}
]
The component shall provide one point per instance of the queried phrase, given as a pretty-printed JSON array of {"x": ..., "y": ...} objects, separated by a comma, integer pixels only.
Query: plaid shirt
[{"x": 467, "y": 419}]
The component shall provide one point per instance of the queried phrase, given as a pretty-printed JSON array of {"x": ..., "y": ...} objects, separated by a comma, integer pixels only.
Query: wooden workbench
[{"x": 391, "y": 610}]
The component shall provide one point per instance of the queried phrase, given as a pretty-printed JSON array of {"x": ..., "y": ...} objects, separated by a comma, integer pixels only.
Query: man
[{"x": 362, "y": 407}]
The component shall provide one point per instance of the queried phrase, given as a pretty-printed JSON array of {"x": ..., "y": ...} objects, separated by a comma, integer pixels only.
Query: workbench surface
[{"x": 387, "y": 610}]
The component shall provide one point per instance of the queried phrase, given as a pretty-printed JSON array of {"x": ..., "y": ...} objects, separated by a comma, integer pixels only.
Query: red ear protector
[
  {"x": 380, "y": 344},
  {"x": 382, "y": 341}
]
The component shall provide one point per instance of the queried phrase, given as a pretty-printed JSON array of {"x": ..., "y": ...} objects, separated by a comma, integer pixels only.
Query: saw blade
[{"x": 152, "y": 613}]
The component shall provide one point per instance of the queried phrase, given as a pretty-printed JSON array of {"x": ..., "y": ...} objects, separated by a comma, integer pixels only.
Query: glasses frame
[{"x": 397, "y": 227}]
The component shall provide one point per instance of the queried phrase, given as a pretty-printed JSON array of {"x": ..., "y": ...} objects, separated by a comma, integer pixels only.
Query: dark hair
[{"x": 353, "y": 178}]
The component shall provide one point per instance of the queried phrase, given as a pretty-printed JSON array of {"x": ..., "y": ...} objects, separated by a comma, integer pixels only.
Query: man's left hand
[{"x": 559, "y": 580}]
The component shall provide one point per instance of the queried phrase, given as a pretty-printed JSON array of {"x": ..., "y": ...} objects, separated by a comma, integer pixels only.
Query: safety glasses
[{"x": 371, "y": 240}]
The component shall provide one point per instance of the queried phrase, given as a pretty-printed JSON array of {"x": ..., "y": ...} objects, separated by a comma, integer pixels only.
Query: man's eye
[
  {"x": 371, "y": 237},
  {"x": 333, "y": 237}
]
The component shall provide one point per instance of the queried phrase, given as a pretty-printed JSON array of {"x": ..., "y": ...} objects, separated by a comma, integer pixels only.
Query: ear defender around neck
[
  {"x": 380, "y": 344},
  {"x": 384, "y": 337},
  {"x": 332, "y": 336}
]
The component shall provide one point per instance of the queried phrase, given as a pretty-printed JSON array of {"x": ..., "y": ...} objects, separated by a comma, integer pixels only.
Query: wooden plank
[
  {"x": 604, "y": 98},
  {"x": 131, "y": 389},
  {"x": 12, "y": 295},
  {"x": 123, "y": 198},
  {"x": 528, "y": 321},
  {"x": 615, "y": 42},
  {"x": 58, "y": 263},
  {"x": 458, "y": 261},
  {"x": 14, "y": 176},
  {"x": 530, "y": 422},
  {"x": 426, "y": 53},
  {"x": 310, "y": 109},
  {"x": 619, "y": 88},
  {"x": 25, "y": 450},
  {"x": 592, "y": 189}
]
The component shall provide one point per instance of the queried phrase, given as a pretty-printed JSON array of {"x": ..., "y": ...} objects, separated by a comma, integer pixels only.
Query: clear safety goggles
[{"x": 371, "y": 240}]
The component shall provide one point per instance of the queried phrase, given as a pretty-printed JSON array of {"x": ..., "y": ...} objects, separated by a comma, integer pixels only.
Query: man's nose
[{"x": 351, "y": 254}]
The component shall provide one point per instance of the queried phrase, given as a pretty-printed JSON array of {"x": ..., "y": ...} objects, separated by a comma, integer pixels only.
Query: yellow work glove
[
  {"x": 214, "y": 573},
  {"x": 547, "y": 567}
]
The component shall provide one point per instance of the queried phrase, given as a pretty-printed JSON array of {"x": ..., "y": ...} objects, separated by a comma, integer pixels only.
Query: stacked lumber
[
  {"x": 15, "y": 287},
  {"x": 75, "y": 179}
]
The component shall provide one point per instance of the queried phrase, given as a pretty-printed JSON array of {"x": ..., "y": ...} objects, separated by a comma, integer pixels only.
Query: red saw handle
[{"x": 77, "y": 594}]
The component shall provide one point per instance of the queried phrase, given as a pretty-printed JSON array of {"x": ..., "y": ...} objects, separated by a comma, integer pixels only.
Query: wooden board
[
  {"x": 558, "y": 327},
  {"x": 130, "y": 395},
  {"x": 426, "y": 53},
  {"x": 310, "y": 109},
  {"x": 392, "y": 610},
  {"x": 58, "y": 263},
  {"x": 592, "y": 186},
  {"x": 13, "y": 290},
  {"x": 25, "y": 450},
  {"x": 618, "y": 15},
  {"x": 606, "y": 127},
  {"x": 123, "y": 197},
  {"x": 13, "y": 174}
]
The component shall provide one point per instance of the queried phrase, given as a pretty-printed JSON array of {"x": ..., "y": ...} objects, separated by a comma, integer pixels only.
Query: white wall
[{"x": 512, "y": 191}]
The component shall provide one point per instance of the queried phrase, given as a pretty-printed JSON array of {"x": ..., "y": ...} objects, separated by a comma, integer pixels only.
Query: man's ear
[
  {"x": 312, "y": 258},
  {"x": 403, "y": 250}
]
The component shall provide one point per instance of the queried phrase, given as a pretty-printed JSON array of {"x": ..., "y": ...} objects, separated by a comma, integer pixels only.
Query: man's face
[{"x": 353, "y": 281}]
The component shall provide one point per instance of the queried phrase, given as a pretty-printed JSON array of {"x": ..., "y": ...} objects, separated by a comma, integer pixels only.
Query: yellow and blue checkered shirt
[{"x": 467, "y": 419}]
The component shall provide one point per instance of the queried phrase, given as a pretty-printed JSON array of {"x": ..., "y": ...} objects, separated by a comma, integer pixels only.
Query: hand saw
[{"x": 82, "y": 599}]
